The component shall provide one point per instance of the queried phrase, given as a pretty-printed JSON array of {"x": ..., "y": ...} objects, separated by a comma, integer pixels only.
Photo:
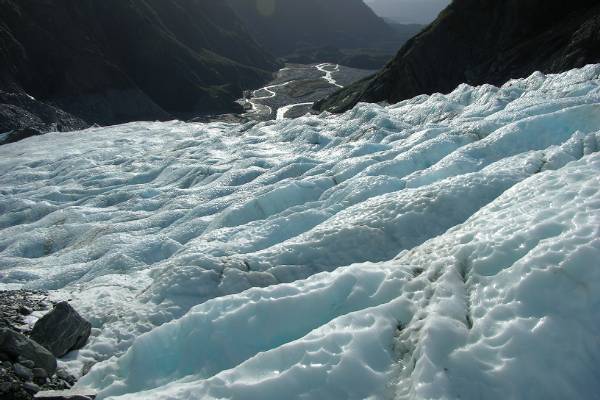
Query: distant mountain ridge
[
  {"x": 483, "y": 41},
  {"x": 345, "y": 32},
  {"x": 287, "y": 26},
  {"x": 114, "y": 61},
  {"x": 408, "y": 11}
]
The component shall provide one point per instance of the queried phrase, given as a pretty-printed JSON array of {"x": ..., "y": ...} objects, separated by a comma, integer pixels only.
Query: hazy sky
[{"x": 409, "y": 11}]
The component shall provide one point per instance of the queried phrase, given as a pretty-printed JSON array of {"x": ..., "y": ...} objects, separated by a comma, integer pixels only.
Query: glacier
[{"x": 443, "y": 247}]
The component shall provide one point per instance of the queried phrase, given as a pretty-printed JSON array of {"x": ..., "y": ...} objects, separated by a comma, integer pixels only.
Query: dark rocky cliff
[
  {"x": 483, "y": 41},
  {"x": 113, "y": 61}
]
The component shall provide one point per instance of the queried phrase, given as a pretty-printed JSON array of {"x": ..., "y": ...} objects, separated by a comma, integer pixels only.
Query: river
[{"x": 296, "y": 87}]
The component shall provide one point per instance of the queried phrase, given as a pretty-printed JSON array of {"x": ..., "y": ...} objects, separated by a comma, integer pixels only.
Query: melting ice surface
[{"x": 444, "y": 247}]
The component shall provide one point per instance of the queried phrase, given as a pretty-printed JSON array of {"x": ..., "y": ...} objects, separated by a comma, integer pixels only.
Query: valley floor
[
  {"x": 296, "y": 87},
  {"x": 444, "y": 247}
]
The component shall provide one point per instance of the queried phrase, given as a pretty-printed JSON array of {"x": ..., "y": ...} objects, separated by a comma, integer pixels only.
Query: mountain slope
[
  {"x": 408, "y": 11},
  {"x": 286, "y": 26},
  {"x": 476, "y": 42},
  {"x": 113, "y": 61},
  {"x": 444, "y": 247}
]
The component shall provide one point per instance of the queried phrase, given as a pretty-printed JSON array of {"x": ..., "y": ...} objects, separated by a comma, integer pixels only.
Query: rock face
[
  {"x": 483, "y": 41},
  {"x": 61, "y": 330},
  {"x": 15, "y": 344},
  {"x": 113, "y": 61},
  {"x": 22, "y": 116}
]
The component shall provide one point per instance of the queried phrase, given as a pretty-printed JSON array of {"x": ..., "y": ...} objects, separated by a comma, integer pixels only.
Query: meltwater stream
[{"x": 295, "y": 89}]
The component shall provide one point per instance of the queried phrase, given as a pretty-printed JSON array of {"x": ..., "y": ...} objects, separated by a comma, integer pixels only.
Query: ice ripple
[{"x": 442, "y": 247}]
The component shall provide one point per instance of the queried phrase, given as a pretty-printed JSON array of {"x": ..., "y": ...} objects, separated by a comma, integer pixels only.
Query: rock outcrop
[
  {"x": 26, "y": 367},
  {"x": 14, "y": 345},
  {"x": 483, "y": 41},
  {"x": 22, "y": 116}
]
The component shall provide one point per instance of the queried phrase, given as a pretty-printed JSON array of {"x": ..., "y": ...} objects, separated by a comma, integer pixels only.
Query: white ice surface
[{"x": 444, "y": 247}]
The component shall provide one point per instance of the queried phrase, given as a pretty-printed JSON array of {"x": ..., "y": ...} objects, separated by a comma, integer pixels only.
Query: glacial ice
[{"x": 444, "y": 247}]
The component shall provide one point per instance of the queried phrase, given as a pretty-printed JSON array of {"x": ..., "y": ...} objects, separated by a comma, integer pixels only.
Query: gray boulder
[
  {"x": 23, "y": 372},
  {"x": 15, "y": 344},
  {"x": 31, "y": 387},
  {"x": 61, "y": 330},
  {"x": 25, "y": 362},
  {"x": 40, "y": 373}
]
